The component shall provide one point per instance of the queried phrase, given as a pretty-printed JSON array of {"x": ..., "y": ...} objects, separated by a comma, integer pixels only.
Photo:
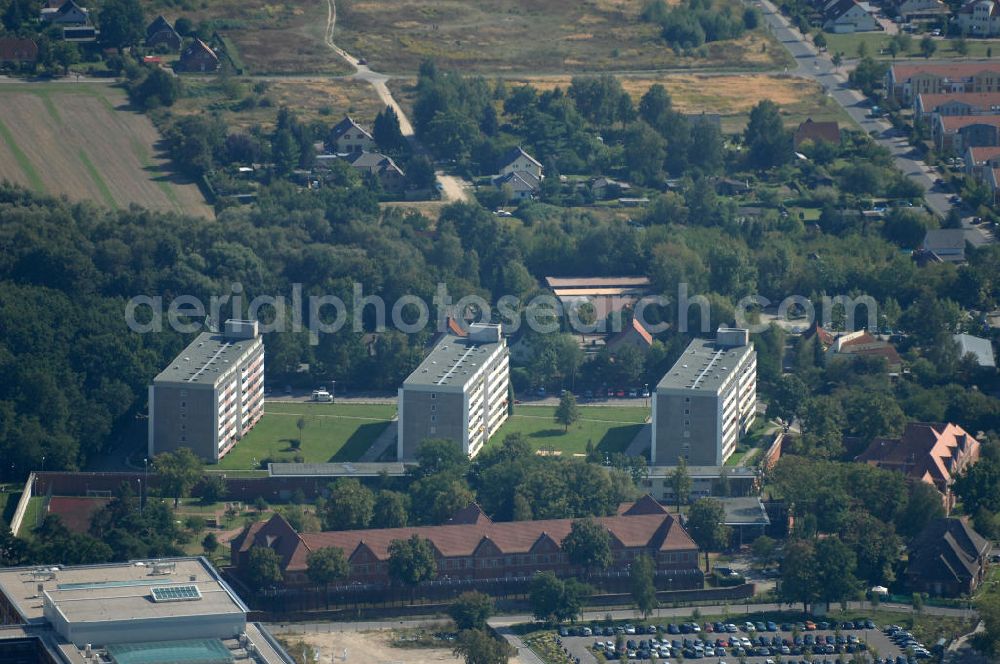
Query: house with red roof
[
  {"x": 18, "y": 52},
  {"x": 817, "y": 132},
  {"x": 635, "y": 335},
  {"x": 926, "y": 452},
  {"x": 856, "y": 344},
  {"x": 473, "y": 547}
]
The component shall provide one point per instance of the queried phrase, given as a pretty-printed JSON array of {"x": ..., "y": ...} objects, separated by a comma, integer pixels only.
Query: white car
[{"x": 749, "y": 627}]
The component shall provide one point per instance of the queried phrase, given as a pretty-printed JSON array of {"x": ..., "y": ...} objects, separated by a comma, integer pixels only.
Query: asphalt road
[{"x": 819, "y": 67}]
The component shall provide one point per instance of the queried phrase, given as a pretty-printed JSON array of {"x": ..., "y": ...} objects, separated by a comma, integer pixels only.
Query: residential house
[
  {"x": 980, "y": 160},
  {"x": 472, "y": 547},
  {"x": 516, "y": 160},
  {"x": 18, "y": 52},
  {"x": 947, "y": 244},
  {"x": 847, "y": 16},
  {"x": 827, "y": 132},
  {"x": 198, "y": 57},
  {"x": 390, "y": 176},
  {"x": 520, "y": 185},
  {"x": 979, "y": 348},
  {"x": 347, "y": 137},
  {"x": 932, "y": 453},
  {"x": 609, "y": 297},
  {"x": 161, "y": 33},
  {"x": 732, "y": 186},
  {"x": 605, "y": 188},
  {"x": 979, "y": 18},
  {"x": 634, "y": 336},
  {"x": 910, "y": 10},
  {"x": 855, "y": 344},
  {"x": 903, "y": 82},
  {"x": 955, "y": 133},
  {"x": 68, "y": 13},
  {"x": 948, "y": 558}
]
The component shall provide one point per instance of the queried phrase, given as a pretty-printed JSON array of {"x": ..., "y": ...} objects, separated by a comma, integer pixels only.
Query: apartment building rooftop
[
  {"x": 165, "y": 610},
  {"x": 454, "y": 360},
  {"x": 706, "y": 363},
  {"x": 210, "y": 355},
  {"x": 119, "y": 591}
]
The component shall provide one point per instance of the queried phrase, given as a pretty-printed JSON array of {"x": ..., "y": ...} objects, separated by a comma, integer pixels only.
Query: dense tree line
[
  {"x": 507, "y": 480},
  {"x": 693, "y": 23}
]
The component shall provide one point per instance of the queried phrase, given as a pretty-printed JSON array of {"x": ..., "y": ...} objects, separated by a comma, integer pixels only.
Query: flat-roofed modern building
[
  {"x": 168, "y": 610},
  {"x": 706, "y": 401},
  {"x": 211, "y": 395},
  {"x": 459, "y": 392}
]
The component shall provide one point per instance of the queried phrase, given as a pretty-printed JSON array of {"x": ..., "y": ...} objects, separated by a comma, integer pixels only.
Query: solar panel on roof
[{"x": 175, "y": 593}]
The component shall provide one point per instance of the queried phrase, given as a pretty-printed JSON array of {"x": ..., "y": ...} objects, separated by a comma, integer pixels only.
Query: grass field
[
  {"x": 323, "y": 100},
  {"x": 79, "y": 140},
  {"x": 876, "y": 42},
  {"x": 333, "y": 432},
  {"x": 528, "y": 36},
  {"x": 610, "y": 428}
]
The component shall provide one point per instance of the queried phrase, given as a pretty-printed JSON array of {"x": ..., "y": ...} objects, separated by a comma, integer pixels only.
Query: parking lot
[{"x": 760, "y": 643}]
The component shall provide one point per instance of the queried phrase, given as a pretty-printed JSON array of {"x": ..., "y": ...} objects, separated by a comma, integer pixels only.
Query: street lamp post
[
  {"x": 139, "y": 480},
  {"x": 145, "y": 476}
]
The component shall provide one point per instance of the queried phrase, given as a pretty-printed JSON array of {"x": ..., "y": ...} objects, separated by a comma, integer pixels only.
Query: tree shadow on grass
[
  {"x": 547, "y": 433},
  {"x": 359, "y": 442}
]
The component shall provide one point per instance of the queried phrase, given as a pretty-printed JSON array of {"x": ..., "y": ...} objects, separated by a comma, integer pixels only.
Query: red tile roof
[
  {"x": 931, "y": 102},
  {"x": 904, "y": 72},
  {"x": 645, "y": 528},
  {"x": 635, "y": 328},
  {"x": 956, "y": 122},
  {"x": 817, "y": 131},
  {"x": 929, "y": 452},
  {"x": 983, "y": 154},
  {"x": 18, "y": 50},
  {"x": 825, "y": 337}
]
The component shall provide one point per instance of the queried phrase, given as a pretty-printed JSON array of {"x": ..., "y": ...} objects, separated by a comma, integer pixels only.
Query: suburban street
[{"x": 819, "y": 67}]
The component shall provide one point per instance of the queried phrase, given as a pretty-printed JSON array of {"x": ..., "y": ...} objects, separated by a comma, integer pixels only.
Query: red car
[{"x": 620, "y": 394}]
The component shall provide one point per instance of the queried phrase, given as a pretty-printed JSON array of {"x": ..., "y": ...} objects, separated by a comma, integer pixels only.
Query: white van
[{"x": 322, "y": 396}]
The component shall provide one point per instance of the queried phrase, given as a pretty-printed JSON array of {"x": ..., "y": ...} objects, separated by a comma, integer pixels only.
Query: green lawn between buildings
[
  {"x": 333, "y": 432},
  {"x": 877, "y": 42},
  {"x": 611, "y": 428}
]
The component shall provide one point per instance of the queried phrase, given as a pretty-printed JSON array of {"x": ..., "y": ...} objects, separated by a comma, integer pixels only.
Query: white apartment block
[
  {"x": 211, "y": 395},
  {"x": 706, "y": 402},
  {"x": 459, "y": 392}
]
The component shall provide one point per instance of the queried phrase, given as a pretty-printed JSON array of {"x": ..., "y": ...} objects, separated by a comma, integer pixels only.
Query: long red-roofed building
[
  {"x": 904, "y": 82},
  {"x": 472, "y": 546}
]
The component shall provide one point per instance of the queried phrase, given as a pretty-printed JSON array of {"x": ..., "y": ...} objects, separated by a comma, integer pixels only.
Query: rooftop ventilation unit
[{"x": 163, "y": 568}]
